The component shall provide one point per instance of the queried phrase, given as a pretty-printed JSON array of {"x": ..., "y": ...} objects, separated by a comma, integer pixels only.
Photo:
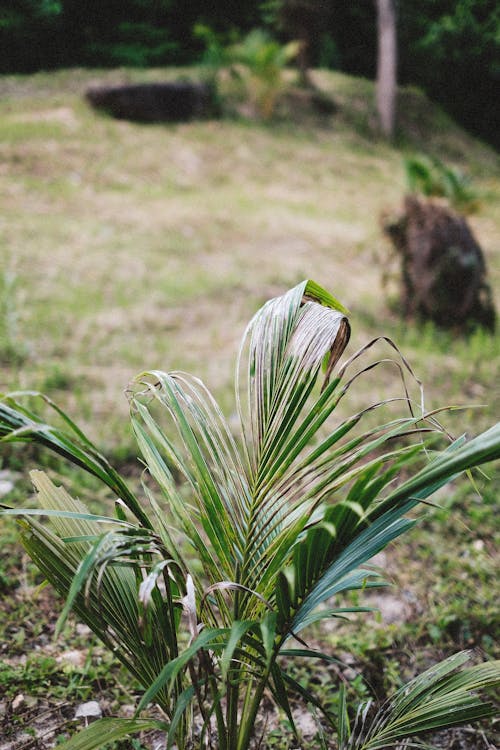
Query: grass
[{"x": 130, "y": 246}]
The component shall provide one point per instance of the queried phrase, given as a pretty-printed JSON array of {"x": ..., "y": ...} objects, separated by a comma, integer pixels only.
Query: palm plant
[
  {"x": 201, "y": 587},
  {"x": 262, "y": 62}
]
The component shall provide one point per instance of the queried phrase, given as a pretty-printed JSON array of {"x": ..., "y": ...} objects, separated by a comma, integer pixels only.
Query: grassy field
[{"x": 125, "y": 247}]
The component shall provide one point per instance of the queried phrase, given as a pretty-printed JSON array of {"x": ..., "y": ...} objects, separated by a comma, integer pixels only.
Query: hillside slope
[
  {"x": 128, "y": 245},
  {"x": 125, "y": 247}
]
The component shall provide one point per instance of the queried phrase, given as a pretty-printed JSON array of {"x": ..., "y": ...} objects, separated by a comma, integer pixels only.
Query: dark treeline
[{"x": 450, "y": 48}]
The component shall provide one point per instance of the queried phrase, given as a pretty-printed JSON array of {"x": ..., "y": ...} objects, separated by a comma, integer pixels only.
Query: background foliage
[{"x": 451, "y": 49}]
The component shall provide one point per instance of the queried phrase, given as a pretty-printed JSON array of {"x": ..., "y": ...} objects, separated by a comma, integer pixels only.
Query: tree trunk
[
  {"x": 386, "y": 65},
  {"x": 443, "y": 268}
]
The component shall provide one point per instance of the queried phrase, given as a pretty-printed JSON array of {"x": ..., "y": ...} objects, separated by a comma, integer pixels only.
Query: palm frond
[
  {"x": 105, "y": 731},
  {"x": 443, "y": 696},
  {"x": 107, "y": 601},
  {"x": 210, "y": 638},
  {"x": 280, "y": 359},
  {"x": 457, "y": 458},
  {"x": 205, "y": 455},
  {"x": 20, "y": 424},
  {"x": 287, "y": 342},
  {"x": 314, "y": 584}
]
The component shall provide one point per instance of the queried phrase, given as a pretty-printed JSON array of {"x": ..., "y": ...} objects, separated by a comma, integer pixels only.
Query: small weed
[
  {"x": 13, "y": 350},
  {"x": 59, "y": 379}
]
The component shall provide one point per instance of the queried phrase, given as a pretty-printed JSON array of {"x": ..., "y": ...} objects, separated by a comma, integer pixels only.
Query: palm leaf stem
[{"x": 251, "y": 707}]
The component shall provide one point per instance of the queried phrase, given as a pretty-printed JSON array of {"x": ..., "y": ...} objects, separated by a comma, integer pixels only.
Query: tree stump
[
  {"x": 443, "y": 267},
  {"x": 172, "y": 101}
]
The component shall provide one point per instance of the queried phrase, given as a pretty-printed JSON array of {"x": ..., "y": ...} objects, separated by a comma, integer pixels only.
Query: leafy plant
[
  {"x": 434, "y": 699},
  {"x": 257, "y": 61},
  {"x": 262, "y": 60},
  {"x": 430, "y": 177},
  {"x": 215, "y": 55},
  {"x": 200, "y": 591}
]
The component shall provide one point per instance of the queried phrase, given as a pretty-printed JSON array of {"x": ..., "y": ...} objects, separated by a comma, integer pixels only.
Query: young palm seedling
[{"x": 203, "y": 589}]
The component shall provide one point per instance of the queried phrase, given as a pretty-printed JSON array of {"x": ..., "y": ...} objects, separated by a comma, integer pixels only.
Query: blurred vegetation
[
  {"x": 432, "y": 178},
  {"x": 12, "y": 349},
  {"x": 256, "y": 63},
  {"x": 263, "y": 61},
  {"x": 449, "y": 48}
]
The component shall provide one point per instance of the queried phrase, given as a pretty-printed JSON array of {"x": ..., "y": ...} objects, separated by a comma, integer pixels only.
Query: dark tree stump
[
  {"x": 443, "y": 267},
  {"x": 176, "y": 101}
]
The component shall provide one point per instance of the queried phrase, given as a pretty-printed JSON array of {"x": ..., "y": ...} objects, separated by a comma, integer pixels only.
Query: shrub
[
  {"x": 252, "y": 540},
  {"x": 257, "y": 62},
  {"x": 261, "y": 61}
]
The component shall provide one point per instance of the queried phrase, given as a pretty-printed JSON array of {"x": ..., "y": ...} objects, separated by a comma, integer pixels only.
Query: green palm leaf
[
  {"x": 109, "y": 604},
  {"x": 205, "y": 455},
  {"x": 443, "y": 696},
  {"x": 20, "y": 424},
  {"x": 105, "y": 731}
]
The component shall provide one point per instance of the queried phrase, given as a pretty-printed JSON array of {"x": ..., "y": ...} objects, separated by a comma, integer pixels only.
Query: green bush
[
  {"x": 261, "y": 61},
  {"x": 253, "y": 540},
  {"x": 257, "y": 61}
]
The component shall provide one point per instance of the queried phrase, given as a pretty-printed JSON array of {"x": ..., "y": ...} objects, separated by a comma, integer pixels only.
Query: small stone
[
  {"x": 82, "y": 629},
  {"x": 380, "y": 560},
  {"x": 18, "y": 702},
  {"x": 306, "y": 724},
  {"x": 350, "y": 674},
  {"x": 89, "y": 710},
  {"x": 159, "y": 742},
  {"x": 346, "y": 658},
  {"x": 6, "y": 486},
  {"x": 392, "y": 609},
  {"x": 10, "y": 478},
  {"x": 74, "y": 658}
]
